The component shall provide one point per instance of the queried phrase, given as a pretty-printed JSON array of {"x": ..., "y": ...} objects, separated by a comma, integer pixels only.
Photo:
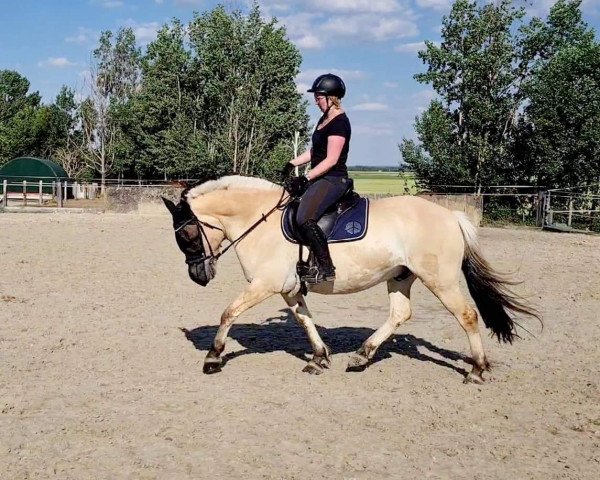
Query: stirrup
[{"x": 316, "y": 275}]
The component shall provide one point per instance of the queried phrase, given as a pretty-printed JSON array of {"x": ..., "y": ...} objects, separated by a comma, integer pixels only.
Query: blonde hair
[{"x": 337, "y": 102}]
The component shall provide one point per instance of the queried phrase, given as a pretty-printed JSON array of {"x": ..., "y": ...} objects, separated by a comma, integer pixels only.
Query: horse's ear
[{"x": 169, "y": 204}]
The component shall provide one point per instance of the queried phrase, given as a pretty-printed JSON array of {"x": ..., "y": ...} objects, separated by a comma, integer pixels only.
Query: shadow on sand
[{"x": 283, "y": 333}]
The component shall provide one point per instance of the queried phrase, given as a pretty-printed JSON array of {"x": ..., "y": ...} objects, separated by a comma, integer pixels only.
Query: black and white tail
[{"x": 489, "y": 288}]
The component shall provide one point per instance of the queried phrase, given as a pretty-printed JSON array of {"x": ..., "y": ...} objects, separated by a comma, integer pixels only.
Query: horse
[{"x": 408, "y": 238}]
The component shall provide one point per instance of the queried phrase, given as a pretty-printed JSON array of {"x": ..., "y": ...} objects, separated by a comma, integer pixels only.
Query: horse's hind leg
[
  {"x": 400, "y": 312},
  {"x": 255, "y": 293},
  {"x": 455, "y": 302},
  {"x": 321, "y": 351}
]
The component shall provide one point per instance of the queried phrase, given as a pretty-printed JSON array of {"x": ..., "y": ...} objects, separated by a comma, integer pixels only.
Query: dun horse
[{"x": 408, "y": 238}]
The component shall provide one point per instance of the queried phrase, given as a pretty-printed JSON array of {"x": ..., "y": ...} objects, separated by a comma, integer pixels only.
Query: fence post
[
  {"x": 59, "y": 195},
  {"x": 24, "y": 193},
  {"x": 549, "y": 215},
  {"x": 539, "y": 214},
  {"x": 65, "y": 196},
  {"x": 4, "y": 192},
  {"x": 570, "y": 219},
  {"x": 41, "y": 193}
]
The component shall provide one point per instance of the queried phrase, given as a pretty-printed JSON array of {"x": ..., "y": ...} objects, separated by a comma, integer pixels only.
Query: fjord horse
[{"x": 408, "y": 238}]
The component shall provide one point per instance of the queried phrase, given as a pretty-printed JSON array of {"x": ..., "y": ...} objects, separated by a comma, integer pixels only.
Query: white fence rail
[{"x": 40, "y": 193}]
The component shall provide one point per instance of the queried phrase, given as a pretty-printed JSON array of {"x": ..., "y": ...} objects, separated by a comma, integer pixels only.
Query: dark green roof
[{"x": 31, "y": 168}]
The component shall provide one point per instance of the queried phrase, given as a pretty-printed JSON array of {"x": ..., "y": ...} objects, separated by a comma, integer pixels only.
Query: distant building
[{"x": 32, "y": 170}]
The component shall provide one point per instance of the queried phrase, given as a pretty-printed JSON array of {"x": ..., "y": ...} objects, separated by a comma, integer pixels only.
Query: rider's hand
[
  {"x": 298, "y": 186},
  {"x": 286, "y": 170}
]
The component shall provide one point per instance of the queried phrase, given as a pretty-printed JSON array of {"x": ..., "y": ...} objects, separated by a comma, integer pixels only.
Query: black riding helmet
[{"x": 329, "y": 85}]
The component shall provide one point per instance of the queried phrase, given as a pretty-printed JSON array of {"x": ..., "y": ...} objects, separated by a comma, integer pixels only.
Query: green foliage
[
  {"x": 463, "y": 136},
  {"x": 247, "y": 105},
  {"x": 516, "y": 103},
  {"x": 214, "y": 97},
  {"x": 559, "y": 139},
  {"x": 26, "y": 126}
]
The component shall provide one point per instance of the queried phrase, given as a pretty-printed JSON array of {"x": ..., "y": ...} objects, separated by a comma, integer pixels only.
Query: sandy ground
[{"x": 99, "y": 380}]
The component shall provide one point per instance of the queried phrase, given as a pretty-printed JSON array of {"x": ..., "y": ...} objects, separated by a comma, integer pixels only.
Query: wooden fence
[
  {"x": 574, "y": 208},
  {"x": 41, "y": 193}
]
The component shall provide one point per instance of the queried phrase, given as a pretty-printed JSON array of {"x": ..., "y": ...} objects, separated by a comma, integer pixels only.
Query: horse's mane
[{"x": 231, "y": 182}]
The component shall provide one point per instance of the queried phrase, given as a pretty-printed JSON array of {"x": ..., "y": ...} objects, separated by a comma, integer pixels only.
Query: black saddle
[{"x": 345, "y": 221}]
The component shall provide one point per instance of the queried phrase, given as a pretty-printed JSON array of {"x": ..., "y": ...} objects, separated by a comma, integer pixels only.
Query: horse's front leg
[
  {"x": 255, "y": 293},
  {"x": 321, "y": 353}
]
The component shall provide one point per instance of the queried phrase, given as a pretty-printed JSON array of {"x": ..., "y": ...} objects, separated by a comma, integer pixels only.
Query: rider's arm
[
  {"x": 301, "y": 159},
  {"x": 335, "y": 143}
]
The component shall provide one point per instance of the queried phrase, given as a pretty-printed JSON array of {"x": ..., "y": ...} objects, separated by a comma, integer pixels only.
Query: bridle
[{"x": 213, "y": 257}]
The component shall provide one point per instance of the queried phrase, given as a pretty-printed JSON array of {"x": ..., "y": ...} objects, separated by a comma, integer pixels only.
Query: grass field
[{"x": 391, "y": 183}]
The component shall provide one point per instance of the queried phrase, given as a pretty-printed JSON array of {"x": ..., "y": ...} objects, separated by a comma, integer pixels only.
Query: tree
[
  {"x": 247, "y": 104},
  {"x": 562, "y": 143},
  {"x": 164, "y": 138},
  {"x": 114, "y": 78},
  {"x": 475, "y": 76},
  {"x": 18, "y": 111},
  {"x": 559, "y": 134}
]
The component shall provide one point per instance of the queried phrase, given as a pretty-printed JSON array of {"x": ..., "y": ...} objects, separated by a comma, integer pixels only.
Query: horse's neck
[{"x": 237, "y": 210}]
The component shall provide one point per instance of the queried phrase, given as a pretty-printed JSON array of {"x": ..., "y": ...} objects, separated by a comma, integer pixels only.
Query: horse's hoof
[
  {"x": 322, "y": 362},
  {"x": 211, "y": 366},
  {"x": 312, "y": 368},
  {"x": 357, "y": 363},
  {"x": 474, "y": 378}
]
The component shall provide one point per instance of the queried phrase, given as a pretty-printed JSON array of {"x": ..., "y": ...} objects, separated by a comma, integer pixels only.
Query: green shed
[{"x": 33, "y": 170}]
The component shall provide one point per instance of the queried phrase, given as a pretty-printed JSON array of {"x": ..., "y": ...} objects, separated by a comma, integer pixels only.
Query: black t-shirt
[{"x": 339, "y": 126}]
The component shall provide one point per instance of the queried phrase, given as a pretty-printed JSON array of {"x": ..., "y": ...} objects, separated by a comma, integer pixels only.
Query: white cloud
[
  {"x": 111, "y": 3},
  {"x": 369, "y": 107},
  {"x": 83, "y": 35},
  {"x": 302, "y": 87},
  {"x": 435, "y": 4},
  {"x": 300, "y": 29},
  {"x": 381, "y": 129},
  {"x": 189, "y": 3},
  {"x": 390, "y": 85},
  {"x": 410, "y": 47},
  {"x": 160, "y": 2},
  {"x": 309, "y": 42},
  {"x": 312, "y": 25},
  {"x": 335, "y": 6},
  {"x": 56, "y": 62},
  {"x": 371, "y": 27},
  {"x": 356, "y": 6},
  {"x": 144, "y": 32}
]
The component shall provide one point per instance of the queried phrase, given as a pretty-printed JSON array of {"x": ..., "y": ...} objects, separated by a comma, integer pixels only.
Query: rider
[{"x": 327, "y": 180}]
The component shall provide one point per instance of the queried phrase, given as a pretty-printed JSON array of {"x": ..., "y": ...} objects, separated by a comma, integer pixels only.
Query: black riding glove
[
  {"x": 298, "y": 186},
  {"x": 286, "y": 170}
]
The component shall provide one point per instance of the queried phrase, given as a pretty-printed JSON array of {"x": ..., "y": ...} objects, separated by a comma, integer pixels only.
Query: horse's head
[{"x": 193, "y": 240}]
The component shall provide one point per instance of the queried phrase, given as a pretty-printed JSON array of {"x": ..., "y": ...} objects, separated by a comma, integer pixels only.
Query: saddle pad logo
[{"x": 353, "y": 228}]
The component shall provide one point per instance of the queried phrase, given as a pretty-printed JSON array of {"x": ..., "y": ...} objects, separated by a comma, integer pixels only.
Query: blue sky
[{"x": 372, "y": 44}]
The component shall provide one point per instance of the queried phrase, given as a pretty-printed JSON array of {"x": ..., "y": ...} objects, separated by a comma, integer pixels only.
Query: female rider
[{"x": 327, "y": 179}]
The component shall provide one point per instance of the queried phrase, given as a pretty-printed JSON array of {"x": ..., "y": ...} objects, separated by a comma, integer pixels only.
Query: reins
[{"x": 281, "y": 204}]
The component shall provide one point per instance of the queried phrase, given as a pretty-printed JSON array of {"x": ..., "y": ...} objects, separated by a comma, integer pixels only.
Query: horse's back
[
  {"x": 413, "y": 212},
  {"x": 419, "y": 225}
]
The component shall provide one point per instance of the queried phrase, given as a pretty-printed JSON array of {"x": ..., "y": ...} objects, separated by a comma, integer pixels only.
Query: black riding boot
[{"x": 323, "y": 269}]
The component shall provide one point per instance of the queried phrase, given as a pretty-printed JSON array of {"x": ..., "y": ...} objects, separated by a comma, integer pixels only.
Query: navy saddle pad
[{"x": 346, "y": 222}]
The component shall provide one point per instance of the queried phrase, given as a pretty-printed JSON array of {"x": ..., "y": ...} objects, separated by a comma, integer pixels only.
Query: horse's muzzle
[{"x": 201, "y": 270}]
